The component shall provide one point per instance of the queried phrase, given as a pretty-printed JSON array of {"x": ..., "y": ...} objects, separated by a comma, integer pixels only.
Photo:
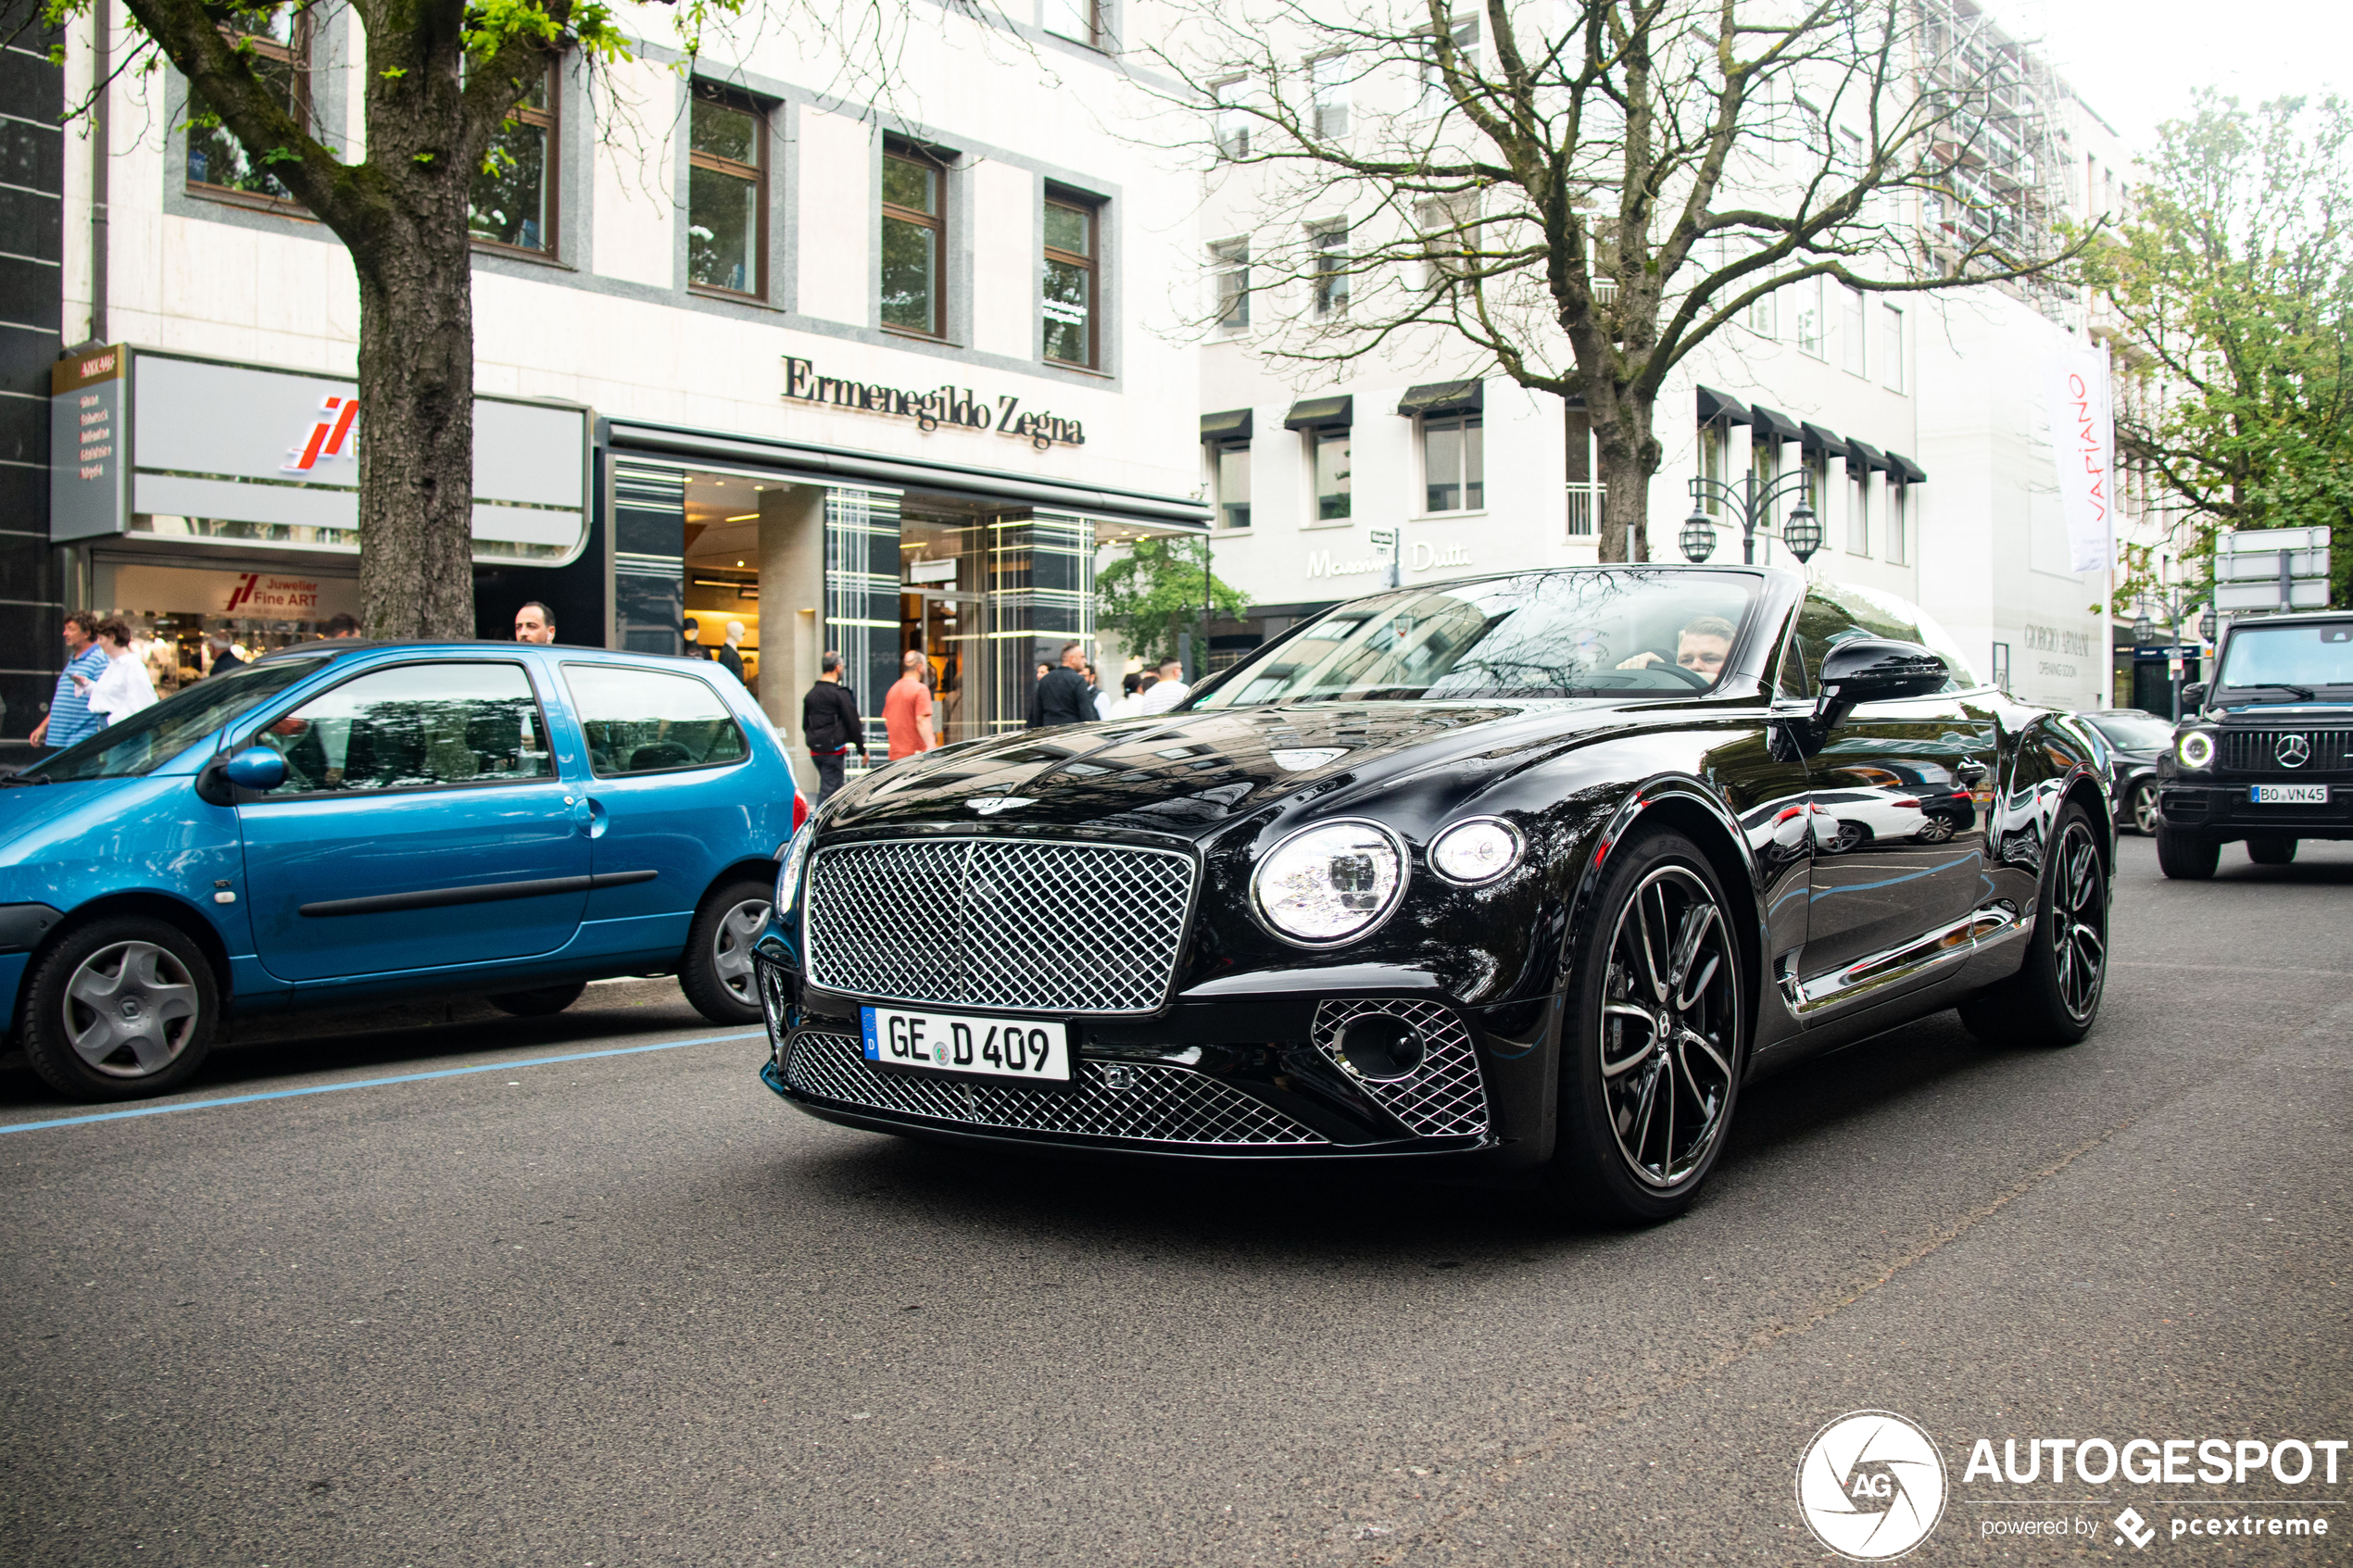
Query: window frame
[
  {"x": 936, "y": 222},
  {"x": 1434, "y": 98},
  {"x": 1462, "y": 424},
  {"x": 1330, "y": 93},
  {"x": 588, "y": 752},
  {"x": 1327, "y": 287},
  {"x": 1091, "y": 265},
  {"x": 1810, "y": 306},
  {"x": 550, "y": 121},
  {"x": 1319, "y": 436},
  {"x": 296, "y": 56},
  {"x": 1891, "y": 346},
  {"x": 1895, "y": 540},
  {"x": 742, "y": 103},
  {"x": 539, "y": 707},
  {"x": 1095, "y": 26},
  {"x": 1217, "y": 453},
  {"x": 1230, "y": 258}
]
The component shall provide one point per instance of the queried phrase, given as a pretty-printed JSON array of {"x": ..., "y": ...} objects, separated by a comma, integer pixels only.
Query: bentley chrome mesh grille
[
  {"x": 1159, "y": 1104},
  {"x": 999, "y": 922},
  {"x": 1445, "y": 1097}
]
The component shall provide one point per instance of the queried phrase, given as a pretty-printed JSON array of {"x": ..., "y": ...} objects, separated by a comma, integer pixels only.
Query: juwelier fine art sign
[{"x": 932, "y": 407}]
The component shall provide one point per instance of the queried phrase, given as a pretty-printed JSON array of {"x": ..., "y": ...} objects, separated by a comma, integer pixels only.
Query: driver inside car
[{"x": 1701, "y": 647}]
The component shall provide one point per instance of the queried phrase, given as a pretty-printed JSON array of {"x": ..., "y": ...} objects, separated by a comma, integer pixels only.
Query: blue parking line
[{"x": 374, "y": 1082}]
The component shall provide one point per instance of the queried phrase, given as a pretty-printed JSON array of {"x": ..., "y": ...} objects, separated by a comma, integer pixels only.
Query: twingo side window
[
  {"x": 413, "y": 726},
  {"x": 651, "y": 722}
]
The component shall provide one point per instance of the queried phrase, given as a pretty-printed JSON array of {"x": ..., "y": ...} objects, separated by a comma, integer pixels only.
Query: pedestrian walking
[
  {"x": 1063, "y": 695},
  {"x": 830, "y": 723},
  {"x": 70, "y": 717},
  {"x": 122, "y": 688},
  {"x": 224, "y": 654},
  {"x": 907, "y": 708},
  {"x": 534, "y": 623},
  {"x": 1168, "y": 691}
]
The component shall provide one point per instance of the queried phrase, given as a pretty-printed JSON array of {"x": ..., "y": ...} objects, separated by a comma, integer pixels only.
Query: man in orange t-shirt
[{"x": 907, "y": 710}]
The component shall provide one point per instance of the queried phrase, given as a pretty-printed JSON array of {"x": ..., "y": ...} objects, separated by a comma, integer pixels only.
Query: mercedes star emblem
[{"x": 2293, "y": 751}]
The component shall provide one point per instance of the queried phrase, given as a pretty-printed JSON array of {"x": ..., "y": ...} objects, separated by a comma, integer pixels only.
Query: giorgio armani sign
[{"x": 933, "y": 408}]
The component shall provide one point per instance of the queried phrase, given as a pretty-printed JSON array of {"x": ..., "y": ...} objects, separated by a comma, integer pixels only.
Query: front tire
[
  {"x": 2186, "y": 856},
  {"x": 716, "y": 973},
  {"x": 1651, "y": 1054},
  {"x": 2271, "y": 850},
  {"x": 2055, "y": 998},
  {"x": 120, "y": 1008}
]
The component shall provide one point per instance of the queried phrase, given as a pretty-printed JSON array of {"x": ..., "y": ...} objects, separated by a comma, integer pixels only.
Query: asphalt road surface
[{"x": 631, "y": 1309}]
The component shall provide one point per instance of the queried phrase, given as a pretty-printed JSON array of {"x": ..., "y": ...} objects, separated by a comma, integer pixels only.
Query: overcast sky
[{"x": 2136, "y": 61}]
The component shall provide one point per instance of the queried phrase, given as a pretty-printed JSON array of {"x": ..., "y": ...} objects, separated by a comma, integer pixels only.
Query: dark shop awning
[
  {"x": 1443, "y": 397},
  {"x": 1321, "y": 413},
  {"x": 1714, "y": 405},
  {"x": 1771, "y": 425},
  {"x": 1231, "y": 425}
]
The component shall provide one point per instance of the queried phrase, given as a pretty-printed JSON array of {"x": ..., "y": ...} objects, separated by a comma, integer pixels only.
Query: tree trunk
[
  {"x": 416, "y": 421},
  {"x": 1625, "y": 455}
]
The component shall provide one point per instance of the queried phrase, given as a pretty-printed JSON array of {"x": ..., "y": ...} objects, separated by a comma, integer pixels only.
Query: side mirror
[
  {"x": 2194, "y": 695},
  {"x": 1866, "y": 670},
  {"x": 256, "y": 768}
]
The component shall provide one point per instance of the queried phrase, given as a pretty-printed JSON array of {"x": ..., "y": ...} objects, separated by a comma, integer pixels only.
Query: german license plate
[
  {"x": 2288, "y": 795},
  {"x": 967, "y": 1043}
]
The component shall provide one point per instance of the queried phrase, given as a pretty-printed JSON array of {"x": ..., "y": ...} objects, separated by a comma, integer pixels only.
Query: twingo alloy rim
[
  {"x": 2079, "y": 921},
  {"x": 129, "y": 1010},
  {"x": 1670, "y": 1018},
  {"x": 731, "y": 949}
]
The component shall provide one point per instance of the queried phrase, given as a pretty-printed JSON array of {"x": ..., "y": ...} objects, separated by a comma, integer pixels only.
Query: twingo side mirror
[
  {"x": 256, "y": 768},
  {"x": 1866, "y": 670}
]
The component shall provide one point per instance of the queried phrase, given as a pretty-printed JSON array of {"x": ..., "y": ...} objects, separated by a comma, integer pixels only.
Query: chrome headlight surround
[
  {"x": 1475, "y": 851},
  {"x": 787, "y": 900},
  {"x": 1293, "y": 857},
  {"x": 2195, "y": 750}
]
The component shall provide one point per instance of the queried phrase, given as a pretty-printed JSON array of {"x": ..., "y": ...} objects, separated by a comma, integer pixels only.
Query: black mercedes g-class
[{"x": 2266, "y": 751}]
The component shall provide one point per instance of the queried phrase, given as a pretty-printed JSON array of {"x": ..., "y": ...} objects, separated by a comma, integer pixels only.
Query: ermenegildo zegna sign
[{"x": 941, "y": 405}]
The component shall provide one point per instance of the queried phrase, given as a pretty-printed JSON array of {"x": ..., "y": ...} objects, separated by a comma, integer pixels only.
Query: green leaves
[{"x": 1157, "y": 591}]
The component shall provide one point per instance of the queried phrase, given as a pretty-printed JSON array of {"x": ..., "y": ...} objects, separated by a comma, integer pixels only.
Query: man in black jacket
[
  {"x": 830, "y": 723},
  {"x": 1064, "y": 696}
]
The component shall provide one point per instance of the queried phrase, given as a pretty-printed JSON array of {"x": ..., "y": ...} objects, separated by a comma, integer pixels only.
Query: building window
[
  {"x": 1891, "y": 347},
  {"x": 1449, "y": 227},
  {"x": 1066, "y": 282},
  {"x": 1081, "y": 21},
  {"x": 727, "y": 192},
  {"x": 1809, "y": 316},
  {"x": 912, "y": 232},
  {"x": 1817, "y": 490},
  {"x": 278, "y": 48},
  {"x": 1229, "y": 272},
  {"x": 1758, "y": 318},
  {"x": 1331, "y": 451},
  {"x": 1711, "y": 465},
  {"x": 1232, "y": 458},
  {"x": 1328, "y": 279},
  {"x": 1330, "y": 80},
  {"x": 1454, "y": 463},
  {"x": 1464, "y": 29},
  {"x": 1850, "y": 333},
  {"x": 1899, "y": 524},
  {"x": 1765, "y": 459},
  {"x": 513, "y": 199},
  {"x": 1234, "y": 119},
  {"x": 1584, "y": 495},
  {"x": 1858, "y": 514}
]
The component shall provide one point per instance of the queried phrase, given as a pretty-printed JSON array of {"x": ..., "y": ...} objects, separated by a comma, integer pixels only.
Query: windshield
[
  {"x": 2294, "y": 655},
  {"x": 2134, "y": 732},
  {"x": 153, "y": 735},
  {"x": 1559, "y": 633}
]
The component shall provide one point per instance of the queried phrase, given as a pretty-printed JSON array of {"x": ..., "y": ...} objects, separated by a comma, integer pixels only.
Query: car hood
[
  {"x": 107, "y": 818},
  {"x": 1184, "y": 774}
]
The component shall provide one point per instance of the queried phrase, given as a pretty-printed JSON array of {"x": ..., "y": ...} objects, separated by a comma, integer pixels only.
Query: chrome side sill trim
[{"x": 1869, "y": 976}]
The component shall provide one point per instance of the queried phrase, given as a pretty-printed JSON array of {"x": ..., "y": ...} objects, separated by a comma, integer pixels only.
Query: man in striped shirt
[{"x": 70, "y": 717}]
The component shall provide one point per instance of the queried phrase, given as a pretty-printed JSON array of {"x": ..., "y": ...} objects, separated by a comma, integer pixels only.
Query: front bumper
[
  {"x": 2225, "y": 810},
  {"x": 1247, "y": 1079}
]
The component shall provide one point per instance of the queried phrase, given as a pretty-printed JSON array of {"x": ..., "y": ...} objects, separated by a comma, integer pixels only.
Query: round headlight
[
  {"x": 2197, "y": 749},
  {"x": 1331, "y": 884},
  {"x": 1475, "y": 851}
]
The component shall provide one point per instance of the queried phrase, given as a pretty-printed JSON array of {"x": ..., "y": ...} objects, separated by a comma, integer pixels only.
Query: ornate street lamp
[
  {"x": 2143, "y": 631},
  {"x": 1698, "y": 538},
  {"x": 1803, "y": 534}
]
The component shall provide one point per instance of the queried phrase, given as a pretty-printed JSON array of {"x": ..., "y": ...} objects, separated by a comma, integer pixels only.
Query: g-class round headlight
[
  {"x": 1478, "y": 850},
  {"x": 1331, "y": 884},
  {"x": 2196, "y": 750}
]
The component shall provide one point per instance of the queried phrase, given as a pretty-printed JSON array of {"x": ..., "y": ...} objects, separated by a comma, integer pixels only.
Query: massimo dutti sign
[{"x": 931, "y": 408}]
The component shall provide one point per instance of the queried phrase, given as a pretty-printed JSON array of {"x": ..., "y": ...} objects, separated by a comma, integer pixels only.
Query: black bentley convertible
[{"x": 1525, "y": 874}]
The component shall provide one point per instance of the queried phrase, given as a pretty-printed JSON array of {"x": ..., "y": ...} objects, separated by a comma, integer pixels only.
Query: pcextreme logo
[
  {"x": 1871, "y": 1485},
  {"x": 327, "y": 435}
]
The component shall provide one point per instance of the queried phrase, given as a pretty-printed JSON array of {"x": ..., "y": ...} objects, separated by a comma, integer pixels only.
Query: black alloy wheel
[
  {"x": 543, "y": 1001},
  {"x": 716, "y": 972},
  {"x": 1651, "y": 1068},
  {"x": 2186, "y": 856},
  {"x": 120, "y": 1008},
  {"x": 2271, "y": 850},
  {"x": 2055, "y": 998},
  {"x": 2141, "y": 808}
]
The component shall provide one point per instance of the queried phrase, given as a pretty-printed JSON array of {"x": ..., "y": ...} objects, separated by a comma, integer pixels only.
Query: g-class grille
[{"x": 2270, "y": 751}]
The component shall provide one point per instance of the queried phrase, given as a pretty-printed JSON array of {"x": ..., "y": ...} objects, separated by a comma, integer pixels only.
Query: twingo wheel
[
  {"x": 2272, "y": 850},
  {"x": 2143, "y": 809},
  {"x": 120, "y": 1008},
  {"x": 2055, "y": 997},
  {"x": 2186, "y": 856},
  {"x": 544, "y": 1001},
  {"x": 716, "y": 972},
  {"x": 1651, "y": 1054}
]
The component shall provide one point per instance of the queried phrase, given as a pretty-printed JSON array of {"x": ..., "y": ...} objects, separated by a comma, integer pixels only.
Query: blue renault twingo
[{"x": 344, "y": 820}]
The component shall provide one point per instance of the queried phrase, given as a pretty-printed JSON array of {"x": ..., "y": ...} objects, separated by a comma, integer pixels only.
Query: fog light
[{"x": 1380, "y": 1046}]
